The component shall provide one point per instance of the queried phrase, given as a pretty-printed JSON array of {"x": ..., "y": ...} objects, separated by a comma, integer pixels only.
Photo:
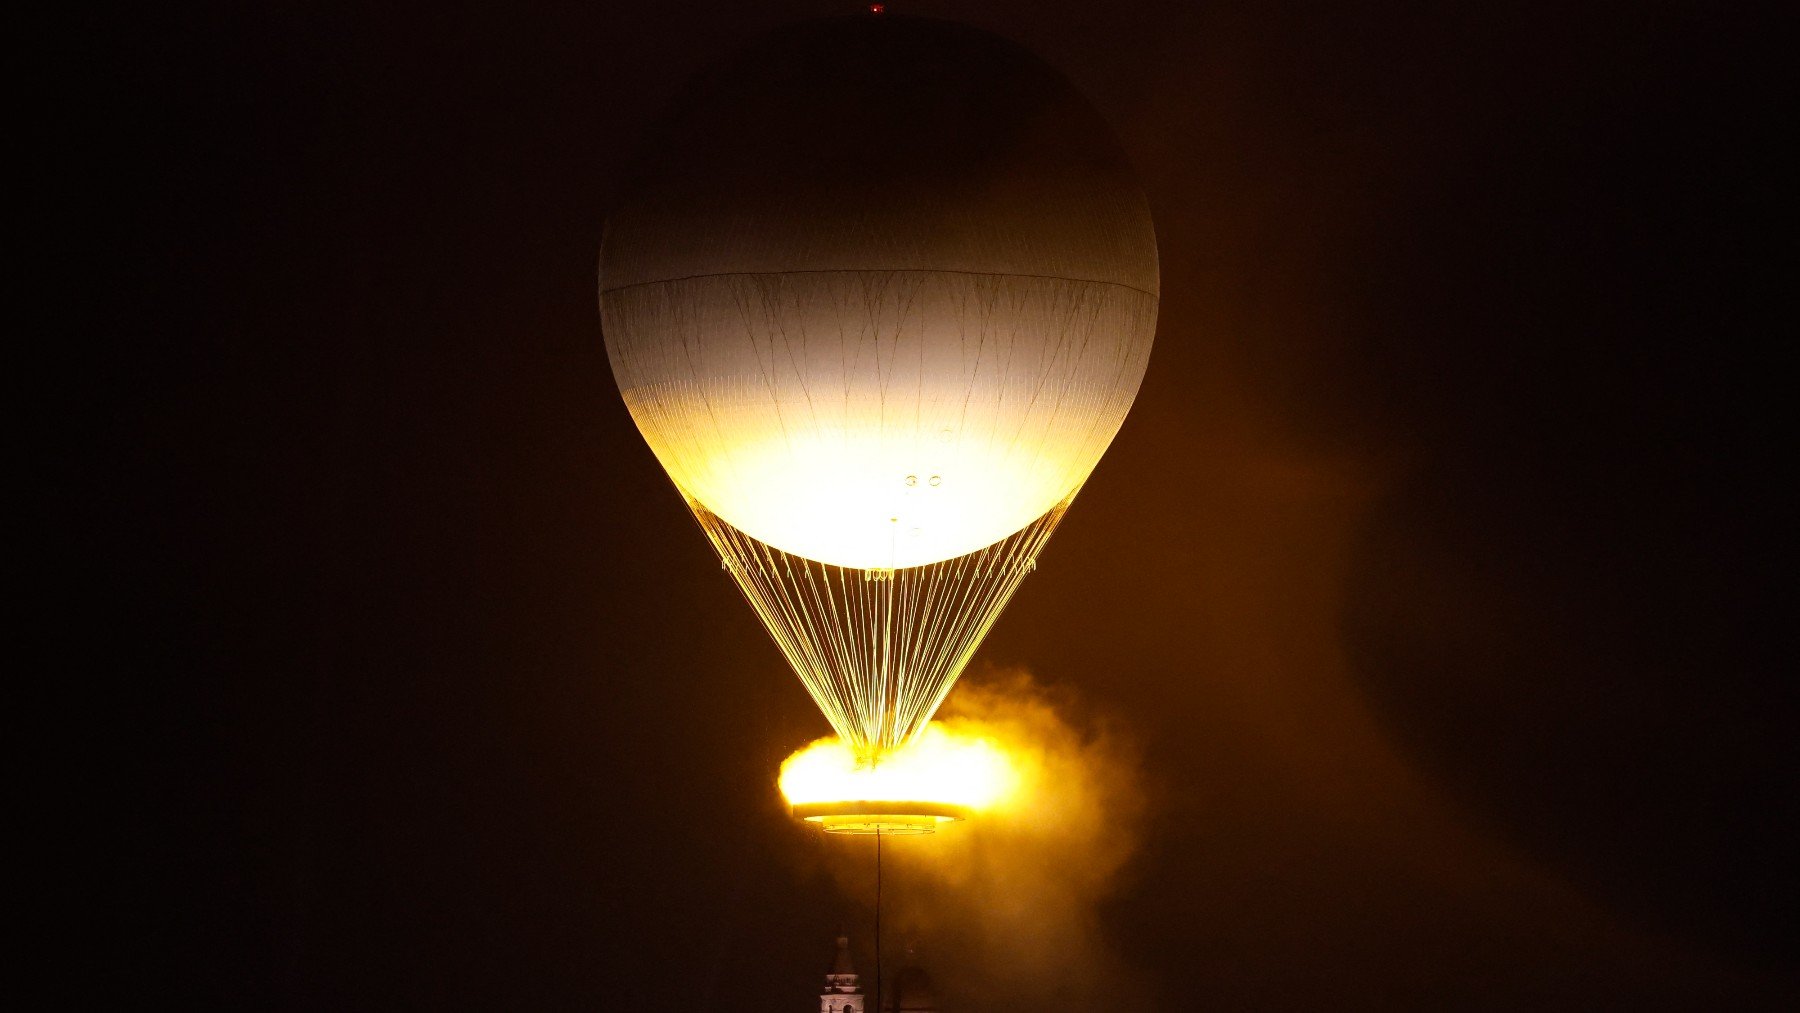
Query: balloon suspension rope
[
  {"x": 878, "y": 649},
  {"x": 878, "y": 921}
]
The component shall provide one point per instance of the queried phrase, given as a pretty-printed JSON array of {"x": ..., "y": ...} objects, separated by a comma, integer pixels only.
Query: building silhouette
[
  {"x": 910, "y": 991},
  {"x": 843, "y": 993}
]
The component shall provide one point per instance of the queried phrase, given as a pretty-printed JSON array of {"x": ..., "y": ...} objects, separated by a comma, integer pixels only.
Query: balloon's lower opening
[{"x": 880, "y": 816}]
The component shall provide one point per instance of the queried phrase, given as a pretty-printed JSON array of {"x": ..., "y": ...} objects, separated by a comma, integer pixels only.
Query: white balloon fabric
[{"x": 882, "y": 293}]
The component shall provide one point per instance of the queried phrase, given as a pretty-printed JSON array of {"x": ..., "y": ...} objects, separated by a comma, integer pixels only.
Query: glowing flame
[{"x": 941, "y": 765}]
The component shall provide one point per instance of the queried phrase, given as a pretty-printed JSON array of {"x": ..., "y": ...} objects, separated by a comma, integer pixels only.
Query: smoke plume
[{"x": 1006, "y": 910}]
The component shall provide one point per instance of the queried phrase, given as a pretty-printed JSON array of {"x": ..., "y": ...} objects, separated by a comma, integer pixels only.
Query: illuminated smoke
[{"x": 1006, "y": 909}]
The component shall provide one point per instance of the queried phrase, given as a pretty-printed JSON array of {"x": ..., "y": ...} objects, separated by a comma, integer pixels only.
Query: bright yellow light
[
  {"x": 878, "y": 420},
  {"x": 942, "y": 768},
  {"x": 860, "y": 497}
]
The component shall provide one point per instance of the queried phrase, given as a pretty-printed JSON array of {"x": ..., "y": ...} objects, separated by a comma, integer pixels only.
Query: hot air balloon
[{"x": 878, "y": 296}]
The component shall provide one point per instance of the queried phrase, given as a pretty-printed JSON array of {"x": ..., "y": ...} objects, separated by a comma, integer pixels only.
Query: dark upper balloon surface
[{"x": 882, "y": 143}]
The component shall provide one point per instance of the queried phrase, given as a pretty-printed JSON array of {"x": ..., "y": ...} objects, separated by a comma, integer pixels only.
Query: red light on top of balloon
[{"x": 877, "y": 8}]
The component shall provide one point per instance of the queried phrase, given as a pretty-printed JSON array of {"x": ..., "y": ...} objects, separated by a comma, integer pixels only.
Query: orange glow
[{"x": 940, "y": 775}]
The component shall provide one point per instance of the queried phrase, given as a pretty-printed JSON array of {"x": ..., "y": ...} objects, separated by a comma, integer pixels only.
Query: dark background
[{"x": 1435, "y": 571}]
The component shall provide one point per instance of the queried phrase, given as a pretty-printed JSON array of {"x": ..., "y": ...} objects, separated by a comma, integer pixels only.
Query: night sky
[{"x": 1433, "y": 577}]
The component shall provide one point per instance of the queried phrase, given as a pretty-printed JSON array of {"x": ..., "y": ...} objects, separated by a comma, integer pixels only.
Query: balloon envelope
[{"x": 882, "y": 292}]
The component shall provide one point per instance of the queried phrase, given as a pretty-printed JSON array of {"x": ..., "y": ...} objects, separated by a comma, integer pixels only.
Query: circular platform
[{"x": 880, "y": 816}]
